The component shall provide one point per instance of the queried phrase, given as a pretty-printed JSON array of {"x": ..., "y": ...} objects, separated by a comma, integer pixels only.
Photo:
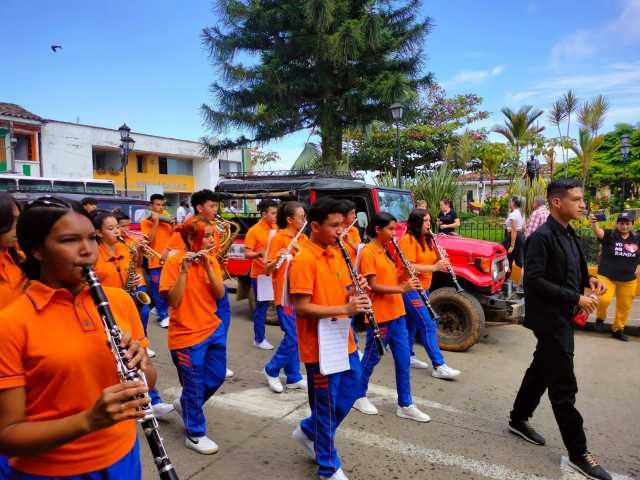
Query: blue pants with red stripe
[
  {"x": 127, "y": 468},
  {"x": 201, "y": 369},
  {"x": 159, "y": 300},
  {"x": 419, "y": 320},
  {"x": 394, "y": 334},
  {"x": 286, "y": 356},
  {"x": 259, "y": 314},
  {"x": 330, "y": 398}
]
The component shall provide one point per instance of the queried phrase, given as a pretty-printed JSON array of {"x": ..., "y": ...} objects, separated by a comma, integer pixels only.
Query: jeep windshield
[{"x": 397, "y": 203}]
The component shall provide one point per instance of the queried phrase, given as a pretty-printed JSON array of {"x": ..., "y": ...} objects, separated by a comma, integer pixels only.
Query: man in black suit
[{"x": 555, "y": 276}]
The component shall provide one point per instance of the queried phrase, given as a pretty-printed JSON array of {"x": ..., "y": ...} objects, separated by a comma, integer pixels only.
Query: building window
[
  {"x": 141, "y": 164},
  {"x": 175, "y": 166},
  {"x": 107, "y": 161},
  {"x": 24, "y": 147},
  {"x": 227, "y": 166}
]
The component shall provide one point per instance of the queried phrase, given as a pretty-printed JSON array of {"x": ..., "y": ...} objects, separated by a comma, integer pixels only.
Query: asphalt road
[{"x": 466, "y": 439}]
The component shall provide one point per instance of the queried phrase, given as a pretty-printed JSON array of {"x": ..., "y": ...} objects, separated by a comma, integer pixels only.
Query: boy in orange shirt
[
  {"x": 197, "y": 340},
  {"x": 158, "y": 234},
  {"x": 321, "y": 288},
  {"x": 65, "y": 412},
  {"x": 386, "y": 296},
  {"x": 256, "y": 243},
  {"x": 291, "y": 219}
]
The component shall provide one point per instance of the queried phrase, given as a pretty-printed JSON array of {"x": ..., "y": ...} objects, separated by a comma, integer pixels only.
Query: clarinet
[
  {"x": 412, "y": 273},
  {"x": 443, "y": 255},
  {"x": 114, "y": 337},
  {"x": 373, "y": 324}
]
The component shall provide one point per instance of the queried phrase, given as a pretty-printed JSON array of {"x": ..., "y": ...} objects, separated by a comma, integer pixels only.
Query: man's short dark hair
[
  {"x": 266, "y": 204},
  {"x": 347, "y": 205},
  {"x": 89, "y": 201},
  {"x": 202, "y": 196},
  {"x": 156, "y": 196},
  {"x": 560, "y": 187},
  {"x": 323, "y": 208}
]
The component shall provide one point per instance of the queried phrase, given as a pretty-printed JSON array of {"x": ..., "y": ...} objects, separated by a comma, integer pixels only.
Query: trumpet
[
  {"x": 148, "y": 252},
  {"x": 280, "y": 260}
]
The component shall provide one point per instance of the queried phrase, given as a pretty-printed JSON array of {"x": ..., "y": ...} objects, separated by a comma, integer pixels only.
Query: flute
[
  {"x": 280, "y": 260},
  {"x": 114, "y": 338},
  {"x": 373, "y": 324},
  {"x": 444, "y": 256},
  {"x": 413, "y": 274}
]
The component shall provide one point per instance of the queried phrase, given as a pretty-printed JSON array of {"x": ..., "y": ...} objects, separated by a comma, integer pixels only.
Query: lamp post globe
[
  {"x": 126, "y": 145},
  {"x": 397, "y": 111}
]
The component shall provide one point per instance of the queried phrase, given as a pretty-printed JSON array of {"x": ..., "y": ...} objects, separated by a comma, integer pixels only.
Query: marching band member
[
  {"x": 321, "y": 287},
  {"x": 192, "y": 281},
  {"x": 12, "y": 279},
  {"x": 290, "y": 219},
  {"x": 158, "y": 234},
  {"x": 417, "y": 246},
  {"x": 64, "y": 413},
  {"x": 256, "y": 243},
  {"x": 350, "y": 234},
  {"x": 386, "y": 296}
]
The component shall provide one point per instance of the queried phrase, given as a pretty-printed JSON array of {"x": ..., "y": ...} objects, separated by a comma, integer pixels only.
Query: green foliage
[
  {"x": 519, "y": 126},
  {"x": 496, "y": 206},
  {"x": 586, "y": 148},
  {"x": 492, "y": 157},
  {"x": 289, "y": 65},
  {"x": 528, "y": 191},
  {"x": 435, "y": 186}
]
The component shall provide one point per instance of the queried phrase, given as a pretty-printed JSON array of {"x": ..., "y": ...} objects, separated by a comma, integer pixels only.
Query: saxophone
[{"x": 141, "y": 297}]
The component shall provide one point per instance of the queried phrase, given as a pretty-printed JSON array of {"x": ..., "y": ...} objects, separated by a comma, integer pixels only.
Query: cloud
[
  {"x": 520, "y": 96},
  {"x": 473, "y": 76},
  {"x": 623, "y": 31}
]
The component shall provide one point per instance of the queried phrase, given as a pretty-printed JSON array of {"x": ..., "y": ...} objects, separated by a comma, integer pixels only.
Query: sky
[{"x": 142, "y": 62}]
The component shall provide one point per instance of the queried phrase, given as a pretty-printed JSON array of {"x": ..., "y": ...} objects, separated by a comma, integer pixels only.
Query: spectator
[
  {"x": 233, "y": 207},
  {"x": 448, "y": 221},
  {"x": 618, "y": 269},
  {"x": 538, "y": 216},
  {"x": 422, "y": 204},
  {"x": 89, "y": 204},
  {"x": 513, "y": 237},
  {"x": 182, "y": 212}
]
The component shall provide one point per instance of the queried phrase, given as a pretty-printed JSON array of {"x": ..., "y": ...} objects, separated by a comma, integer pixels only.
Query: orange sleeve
[
  {"x": 409, "y": 249},
  {"x": 127, "y": 315},
  {"x": 13, "y": 343},
  {"x": 275, "y": 247},
  {"x": 251, "y": 239},
  {"x": 169, "y": 275},
  {"x": 354, "y": 235},
  {"x": 367, "y": 263},
  {"x": 301, "y": 276},
  {"x": 145, "y": 227},
  {"x": 215, "y": 266}
]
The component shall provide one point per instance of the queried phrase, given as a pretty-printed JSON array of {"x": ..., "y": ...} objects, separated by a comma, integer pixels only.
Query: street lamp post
[
  {"x": 625, "y": 149},
  {"x": 396, "y": 114},
  {"x": 126, "y": 145}
]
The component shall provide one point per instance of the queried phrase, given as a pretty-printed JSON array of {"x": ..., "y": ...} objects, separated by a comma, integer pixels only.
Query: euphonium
[
  {"x": 231, "y": 231},
  {"x": 141, "y": 297}
]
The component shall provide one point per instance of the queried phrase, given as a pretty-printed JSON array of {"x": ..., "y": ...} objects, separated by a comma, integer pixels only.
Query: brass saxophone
[{"x": 141, "y": 297}]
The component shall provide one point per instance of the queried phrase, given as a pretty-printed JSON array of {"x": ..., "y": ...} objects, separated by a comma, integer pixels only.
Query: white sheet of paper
[
  {"x": 333, "y": 337},
  {"x": 265, "y": 288}
]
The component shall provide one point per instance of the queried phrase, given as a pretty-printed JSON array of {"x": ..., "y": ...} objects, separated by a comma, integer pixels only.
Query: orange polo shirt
[
  {"x": 160, "y": 242},
  {"x": 54, "y": 345},
  {"x": 256, "y": 240},
  {"x": 322, "y": 274},
  {"x": 195, "y": 319},
  {"x": 280, "y": 241},
  {"x": 417, "y": 255},
  {"x": 112, "y": 268},
  {"x": 374, "y": 261},
  {"x": 354, "y": 237},
  {"x": 12, "y": 280}
]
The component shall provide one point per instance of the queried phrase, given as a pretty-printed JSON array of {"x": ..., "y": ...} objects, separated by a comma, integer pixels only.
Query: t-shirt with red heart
[{"x": 620, "y": 256}]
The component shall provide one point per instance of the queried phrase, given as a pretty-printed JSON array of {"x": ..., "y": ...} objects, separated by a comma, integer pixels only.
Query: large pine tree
[{"x": 289, "y": 65}]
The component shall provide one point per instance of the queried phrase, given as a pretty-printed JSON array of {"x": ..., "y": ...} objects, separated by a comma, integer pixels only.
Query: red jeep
[{"x": 479, "y": 265}]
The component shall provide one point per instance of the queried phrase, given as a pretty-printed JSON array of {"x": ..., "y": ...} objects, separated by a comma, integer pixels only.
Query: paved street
[{"x": 466, "y": 439}]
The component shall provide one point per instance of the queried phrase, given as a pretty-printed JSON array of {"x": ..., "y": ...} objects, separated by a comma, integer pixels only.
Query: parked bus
[{"x": 52, "y": 186}]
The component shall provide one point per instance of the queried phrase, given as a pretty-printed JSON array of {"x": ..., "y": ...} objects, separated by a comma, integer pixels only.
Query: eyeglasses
[{"x": 47, "y": 201}]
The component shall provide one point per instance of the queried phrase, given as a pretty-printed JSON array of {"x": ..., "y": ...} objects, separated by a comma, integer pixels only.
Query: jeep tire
[{"x": 461, "y": 319}]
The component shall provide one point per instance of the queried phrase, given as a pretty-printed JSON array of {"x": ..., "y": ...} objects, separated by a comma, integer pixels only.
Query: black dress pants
[{"x": 552, "y": 370}]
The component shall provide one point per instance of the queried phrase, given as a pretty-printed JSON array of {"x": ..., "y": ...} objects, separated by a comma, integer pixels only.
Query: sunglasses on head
[{"x": 47, "y": 201}]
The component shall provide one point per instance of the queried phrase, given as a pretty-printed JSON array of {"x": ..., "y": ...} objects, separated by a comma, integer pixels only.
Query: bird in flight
[{"x": 55, "y": 48}]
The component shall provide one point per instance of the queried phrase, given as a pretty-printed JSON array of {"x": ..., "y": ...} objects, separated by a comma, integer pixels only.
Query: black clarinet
[
  {"x": 442, "y": 253},
  {"x": 373, "y": 324},
  {"x": 412, "y": 273},
  {"x": 114, "y": 336}
]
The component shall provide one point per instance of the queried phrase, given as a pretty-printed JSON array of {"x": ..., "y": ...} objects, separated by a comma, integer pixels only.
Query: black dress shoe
[
  {"x": 620, "y": 336},
  {"x": 526, "y": 431},
  {"x": 587, "y": 466},
  {"x": 600, "y": 327}
]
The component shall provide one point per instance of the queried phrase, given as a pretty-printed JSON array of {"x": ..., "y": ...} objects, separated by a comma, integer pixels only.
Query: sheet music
[
  {"x": 333, "y": 337},
  {"x": 265, "y": 288}
]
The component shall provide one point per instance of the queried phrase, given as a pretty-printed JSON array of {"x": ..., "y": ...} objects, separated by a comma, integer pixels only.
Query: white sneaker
[
  {"x": 274, "y": 382},
  {"x": 264, "y": 345},
  {"x": 229, "y": 374},
  {"x": 445, "y": 372},
  {"x": 339, "y": 475},
  {"x": 299, "y": 385},
  {"x": 363, "y": 405},
  {"x": 151, "y": 353},
  {"x": 164, "y": 323},
  {"x": 203, "y": 445},
  {"x": 299, "y": 436},
  {"x": 360, "y": 354},
  {"x": 161, "y": 409},
  {"x": 177, "y": 406},
  {"x": 415, "y": 363},
  {"x": 413, "y": 413}
]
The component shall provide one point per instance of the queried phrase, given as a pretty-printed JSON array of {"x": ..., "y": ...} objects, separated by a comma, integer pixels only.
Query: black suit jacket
[{"x": 549, "y": 301}]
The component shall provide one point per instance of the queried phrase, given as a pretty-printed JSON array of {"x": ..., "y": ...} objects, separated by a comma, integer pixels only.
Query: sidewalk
[{"x": 633, "y": 324}]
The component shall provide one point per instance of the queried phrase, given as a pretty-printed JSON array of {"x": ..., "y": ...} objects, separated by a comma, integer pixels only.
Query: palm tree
[
  {"x": 492, "y": 156},
  {"x": 587, "y": 146},
  {"x": 556, "y": 115},
  {"x": 570, "y": 102},
  {"x": 519, "y": 126},
  {"x": 591, "y": 114}
]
